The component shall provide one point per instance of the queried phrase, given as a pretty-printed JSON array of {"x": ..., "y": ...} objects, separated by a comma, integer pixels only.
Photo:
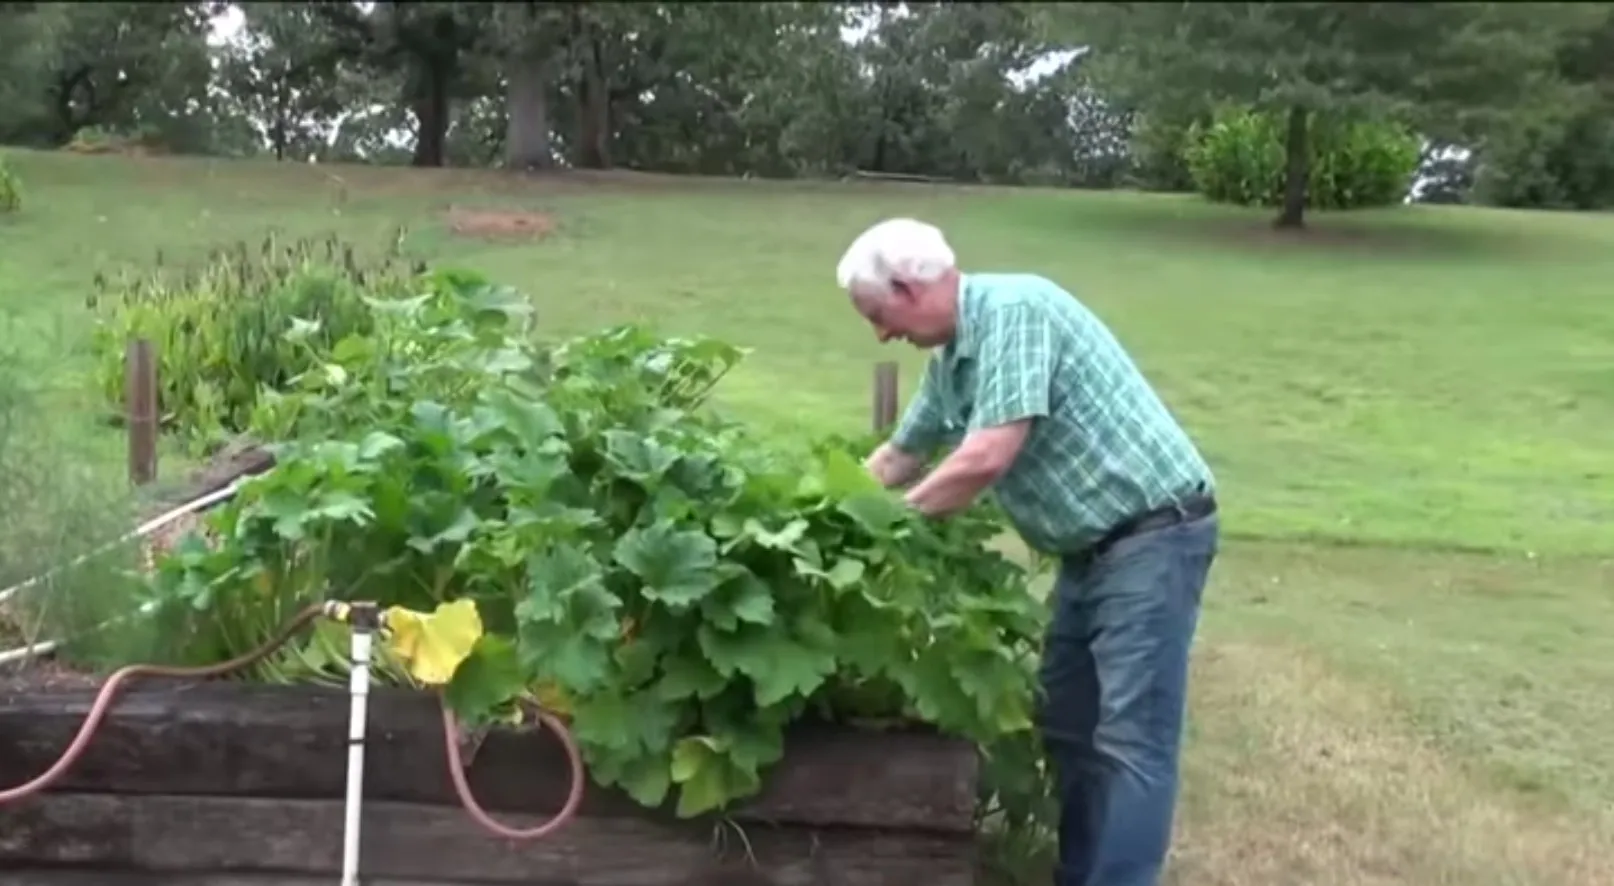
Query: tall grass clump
[
  {"x": 250, "y": 317},
  {"x": 61, "y": 508}
]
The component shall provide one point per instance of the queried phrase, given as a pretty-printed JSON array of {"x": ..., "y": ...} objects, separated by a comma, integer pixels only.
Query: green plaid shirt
[{"x": 1103, "y": 449}]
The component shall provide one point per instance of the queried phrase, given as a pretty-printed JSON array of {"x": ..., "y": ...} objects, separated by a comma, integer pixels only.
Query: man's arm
[
  {"x": 900, "y": 460},
  {"x": 1013, "y": 388}
]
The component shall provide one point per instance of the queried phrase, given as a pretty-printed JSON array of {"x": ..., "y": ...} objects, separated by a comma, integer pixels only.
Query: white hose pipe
[
  {"x": 140, "y": 531},
  {"x": 24, "y": 653},
  {"x": 46, "y": 647}
]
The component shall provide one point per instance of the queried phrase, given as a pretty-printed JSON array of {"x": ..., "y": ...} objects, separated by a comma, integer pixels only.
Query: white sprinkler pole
[{"x": 365, "y": 621}]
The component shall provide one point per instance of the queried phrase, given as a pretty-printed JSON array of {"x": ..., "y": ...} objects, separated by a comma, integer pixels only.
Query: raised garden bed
[
  {"x": 205, "y": 780},
  {"x": 567, "y": 522},
  {"x": 230, "y": 784}
]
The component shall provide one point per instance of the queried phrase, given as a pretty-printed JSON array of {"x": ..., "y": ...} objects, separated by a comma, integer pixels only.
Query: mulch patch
[{"x": 500, "y": 224}]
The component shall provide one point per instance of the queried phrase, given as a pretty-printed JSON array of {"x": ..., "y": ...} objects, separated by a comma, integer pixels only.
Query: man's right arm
[{"x": 900, "y": 460}]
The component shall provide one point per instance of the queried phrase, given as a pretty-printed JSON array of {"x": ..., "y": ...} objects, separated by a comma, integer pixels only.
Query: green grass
[{"x": 1411, "y": 631}]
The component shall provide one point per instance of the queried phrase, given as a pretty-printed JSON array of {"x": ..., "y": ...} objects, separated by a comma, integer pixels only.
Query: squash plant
[{"x": 679, "y": 587}]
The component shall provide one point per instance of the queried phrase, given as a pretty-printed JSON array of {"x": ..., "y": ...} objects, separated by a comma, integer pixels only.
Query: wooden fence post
[
  {"x": 140, "y": 397},
  {"x": 885, "y": 396}
]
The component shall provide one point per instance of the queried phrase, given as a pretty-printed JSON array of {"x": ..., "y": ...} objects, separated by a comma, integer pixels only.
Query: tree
[
  {"x": 709, "y": 88},
  {"x": 82, "y": 65},
  {"x": 1445, "y": 68},
  {"x": 584, "y": 56},
  {"x": 716, "y": 89},
  {"x": 530, "y": 40},
  {"x": 29, "y": 44},
  {"x": 1561, "y": 155},
  {"x": 426, "y": 48},
  {"x": 284, "y": 72}
]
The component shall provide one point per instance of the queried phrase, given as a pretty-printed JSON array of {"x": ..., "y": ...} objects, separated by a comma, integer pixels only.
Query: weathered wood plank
[
  {"x": 173, "y": 834},
  {"x": 236, "y": 460},
  {"x": 83, "y": 877},
  {"x": 90, "y": 877},
  {"x": 229, "y": 739}
]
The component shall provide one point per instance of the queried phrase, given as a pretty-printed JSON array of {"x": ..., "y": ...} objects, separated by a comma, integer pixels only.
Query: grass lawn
[{"x": 1407, "y": 650}]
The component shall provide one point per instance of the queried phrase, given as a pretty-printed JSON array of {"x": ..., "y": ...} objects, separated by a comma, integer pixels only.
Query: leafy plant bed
[
  {"x": 235, "y": 778},
  {"x": 571, "y": 525}
]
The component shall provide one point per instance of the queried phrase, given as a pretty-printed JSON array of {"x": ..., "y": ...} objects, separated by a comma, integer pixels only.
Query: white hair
[{"x": 895, "y": 249}]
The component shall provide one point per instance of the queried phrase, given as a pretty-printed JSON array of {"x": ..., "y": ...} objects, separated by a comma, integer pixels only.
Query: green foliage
[
  {"x": 684, "y": 590},
  {"x": 1240, "y": 158},
  {"x": 56, "y": 515},
  {"x": 122, "y": 65},
  {"x": 245, "y": 320},
  {"x": 1450, "y": 69},
  {"x": 1561, "y": 156},
  {"x": 1361, "y": 163},
  {"x": 1156, "y": 149},
  {"x": 1555, "y": 165},
  {"x": 10, "y": 188}
]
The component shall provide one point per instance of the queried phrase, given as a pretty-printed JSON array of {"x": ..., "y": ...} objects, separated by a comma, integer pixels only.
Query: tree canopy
[{"x": 1083, "y": 95}]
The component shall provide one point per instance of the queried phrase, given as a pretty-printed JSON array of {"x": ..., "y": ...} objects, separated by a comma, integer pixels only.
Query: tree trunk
[
  {"x": 431, "y": 115},
  {"x": 593, "y": 100},
  {"x": 594, "y": 130},
  {"x": 526, "y": 135},
  {"x": 279, "y": 129},
  {"x": 68, "y": 120},
  {"x": 1297, "y": 169}
]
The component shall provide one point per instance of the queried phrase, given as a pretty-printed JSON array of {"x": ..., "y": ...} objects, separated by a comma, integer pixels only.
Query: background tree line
[{"x": 1506, "y": 104}]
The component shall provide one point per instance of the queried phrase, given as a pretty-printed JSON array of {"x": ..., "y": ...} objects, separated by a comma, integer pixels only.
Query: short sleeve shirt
[{"x": 1103, "y": 447}]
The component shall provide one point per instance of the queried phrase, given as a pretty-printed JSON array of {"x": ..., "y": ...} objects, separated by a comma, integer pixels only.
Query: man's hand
[{"x": 893, "y": 467}]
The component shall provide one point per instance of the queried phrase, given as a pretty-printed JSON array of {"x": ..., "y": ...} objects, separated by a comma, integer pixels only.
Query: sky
[{"x": 226, "y": 25}]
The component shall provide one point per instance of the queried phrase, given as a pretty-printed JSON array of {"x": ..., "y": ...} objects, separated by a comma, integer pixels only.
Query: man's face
[{"x": 916, "y": 314}]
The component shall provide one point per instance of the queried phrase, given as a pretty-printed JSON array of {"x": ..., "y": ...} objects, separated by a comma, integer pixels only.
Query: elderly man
[{"x": 1040, "y": 403}]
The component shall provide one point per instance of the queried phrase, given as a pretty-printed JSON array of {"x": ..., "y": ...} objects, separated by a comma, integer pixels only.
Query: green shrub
[
  {"x": 10, "y": 189},
  {"x": 246, "y": 320},
  {"x": 1552, "y": 164},
  {"x": 1353, "y": 164}
]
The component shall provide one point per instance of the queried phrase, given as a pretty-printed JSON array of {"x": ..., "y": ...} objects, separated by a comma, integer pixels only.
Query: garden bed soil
[
  {"x": 234, "y": 461},
  {"x": 42, "y": 675},
  {"x": 218, "y": 778}
]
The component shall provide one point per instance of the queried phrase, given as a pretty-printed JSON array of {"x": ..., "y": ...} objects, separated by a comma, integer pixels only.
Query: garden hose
[{"x": 341, "y": 612}]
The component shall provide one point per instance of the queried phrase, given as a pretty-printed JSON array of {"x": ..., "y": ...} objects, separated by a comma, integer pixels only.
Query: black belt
[{"x": 1197, "y": 505}]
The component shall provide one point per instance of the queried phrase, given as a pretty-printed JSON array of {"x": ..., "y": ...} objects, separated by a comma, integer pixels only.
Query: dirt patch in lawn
[{"x": 500, "y": 224}]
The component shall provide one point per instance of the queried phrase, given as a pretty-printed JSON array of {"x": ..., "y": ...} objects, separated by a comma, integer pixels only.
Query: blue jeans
[{"x": 1115, "y": 675}]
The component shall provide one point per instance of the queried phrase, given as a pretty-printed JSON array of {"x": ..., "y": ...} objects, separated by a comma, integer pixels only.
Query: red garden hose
[{"x": 456, "y": 771}]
